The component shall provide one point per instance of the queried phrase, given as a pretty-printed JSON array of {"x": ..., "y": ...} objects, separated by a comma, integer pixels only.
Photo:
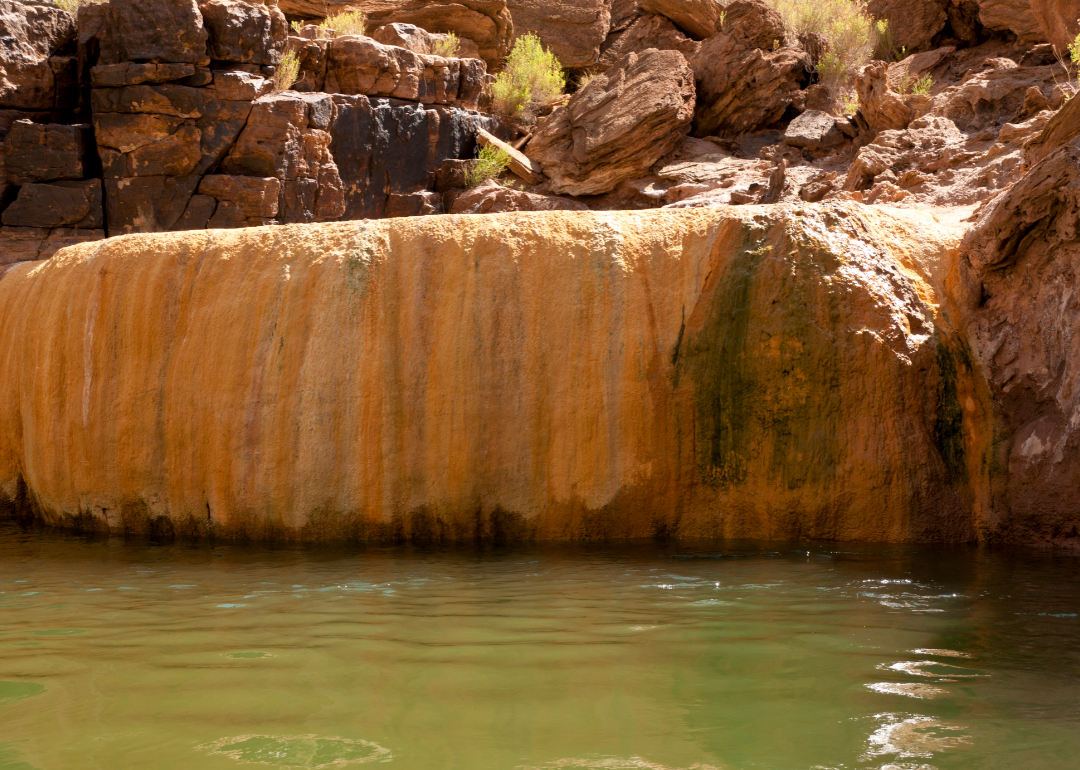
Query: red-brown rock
[
  {"x": 912, "y": 23},
  {"x": 43, "y": 152},
  {"x": 493, "y": 198},
  {"x": 646, "y": 32},
  {"x": 31, "y": 33},
  {"x": 149, "y": 204},
  {"x": 572, "y": 29},
  {"x": 57, "y": 204},
  {"x": 699, "y": 18},
  {"x": 618, "y": 125},
  {"x": 244, "y": 32}
]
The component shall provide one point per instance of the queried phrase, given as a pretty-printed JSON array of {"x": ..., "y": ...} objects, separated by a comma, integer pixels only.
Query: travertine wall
[{"x": 750, "y": 372}]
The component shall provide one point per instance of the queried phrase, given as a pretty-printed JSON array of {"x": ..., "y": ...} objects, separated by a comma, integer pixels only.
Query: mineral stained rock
[
  {"x": 33, "y": 35},
  {"x": 751, "y": 372},
  {"x": 912, "y": 23},
  {"x": 572, "y": 29}
]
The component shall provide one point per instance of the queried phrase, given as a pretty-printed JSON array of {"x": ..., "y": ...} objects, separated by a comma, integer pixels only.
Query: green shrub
[
  {"x": 287, "y": 72},
  {"x": 345, "y": 23},
  {"x": 447, "y": 46},
  {"x": 922, "y": 86},
  {"x": 532, "y": 77},
  {"x": 489, "y": 164},
  {"x": 1074, "y": 49},
  {"x": 849, "y": 31},
  {"x": 296, "y": 26}
]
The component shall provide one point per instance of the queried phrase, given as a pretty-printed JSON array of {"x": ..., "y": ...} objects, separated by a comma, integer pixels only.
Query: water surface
[{"x": 777, "y": 656}]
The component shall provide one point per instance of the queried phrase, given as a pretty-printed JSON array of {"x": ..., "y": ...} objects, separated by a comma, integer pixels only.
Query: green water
[{"x": 116, "y": 654}]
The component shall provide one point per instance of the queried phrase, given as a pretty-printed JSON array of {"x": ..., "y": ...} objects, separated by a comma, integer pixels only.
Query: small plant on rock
[
  {"x": 73, "y": 6},
  {"x": 287, "y": 72},
  {"x": 532, "y": 77},
  {"x": 922, "y": 86},
  {"x": 490, "y": 163},
  {"x": 447, "y": 47},
  {"x": 296, "y": 26},
  {"x": 345, "y": 23}
]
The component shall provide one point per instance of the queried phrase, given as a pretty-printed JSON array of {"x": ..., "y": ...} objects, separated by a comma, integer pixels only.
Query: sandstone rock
[
  {"x": 913, "y": 23},
  {"x": 829, "y": 395},
  {"x": 995, "y": 96},
  {"x": 1058, "y": 20},
  {"x": 43, "y": 152},
  {"x": 742, "y": 83},
  {"x": 360, "y": 65},
  {"x": 417, "y": 40},
  {"x": 281, "y": 138},
  {"x": 1061, "y": 129},
  {"x": 30, "y": 34},
  {"x": 312, "y": 58},
  {"x": 223, "y": 118},
  {"x": 573, "y": 30},
  {"x": 1021, "y": 259},
  {"x": 23, "y": 244},
  {"x": 492, "y": 198},
  {"x": 135, "y": 73},
  {"x": 1011, "y": 16},
  {"x": 927, "y": 146},
  {"x": 57, "y": 204},
  {"x": 814, "y": 131},
  {"x": 485, "y": 22},
  {"x": 158, "y": 31},
  {"x": 616, "y": 127},
  {"x": 256, "y": 197},
  {"x": 699, "y": 18},
  {"x": 240, "y": 86},
  {"x": 646, "y": 32},
  {"x": 147, "y": 145},
  {"x": 881, "y": 107},
  {"x": 245, "y": 32},
  {"x": 200, "y": 209},
  {"x": 148, "y": 204},
  {"x": 420, "y": 204},
  {"x": 170, "y": 99}
]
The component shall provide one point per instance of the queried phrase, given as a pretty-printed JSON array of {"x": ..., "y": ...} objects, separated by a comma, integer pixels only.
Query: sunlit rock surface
[{"x": 780, "y": 372}]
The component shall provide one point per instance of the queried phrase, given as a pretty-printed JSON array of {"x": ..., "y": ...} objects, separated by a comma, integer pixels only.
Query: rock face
[
  {"x": 573, "y": 30},
  {"x": 36, "y": 40},
  {"x": 1058, "y": 21},
  {"x": 913, "y": 23},
  {"x": 616, "y": 127},
  {"x": 1011, "y": 16},
  {"x": 646, "y": 32},
  {"x": 698, "y": 18},
  {"x": 1021, "y": 258},
  {"x": 751, "y": 372},
  {"x": 744, "y": 81},
  {"x": 493, "y": 198}
]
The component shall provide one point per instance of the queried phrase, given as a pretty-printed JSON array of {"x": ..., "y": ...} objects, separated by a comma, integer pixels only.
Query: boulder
[
  {"x": 698, "y": 18},
  {"x": 572, "y": 29},
  {"x": 38, "y": 152},
  {"x": 1058, "y": 20},
  {"x": 814, "y": 131},
  {"x": 618, "y": 125},
  {"x": 158, "y": 31},
  {"x": 244, "y": 32},
  {"x": 998, "y": 95},
  {"x": 1014, "y": 16},
  {"x": 148, "y": 204},
  {"x": 913, "y": 23},
  {"x": 1022, "y": 307},
  {"x": 649, "y": 31},
  {"x": 485, "y": 22},
  {"x": 31, "y": 34},
  {"x": 743, "y": 81},
  {"x": 412, "y": 38},
  {"x": 57, "y": 204},
  {"x": 1061, "y": 129},
  {"x": 493, "y": 198},
  {"x": 312, "y": 60}
]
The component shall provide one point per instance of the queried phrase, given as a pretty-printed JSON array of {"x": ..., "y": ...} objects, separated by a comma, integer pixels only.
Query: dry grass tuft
[{"x": 532, "y": 77}]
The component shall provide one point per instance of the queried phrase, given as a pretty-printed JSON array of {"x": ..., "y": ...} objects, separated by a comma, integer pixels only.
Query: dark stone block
[
  {"x": 57, "y": 204},
  {"x": 44, "y": 152},
  {"x": 148, "y": 204}
]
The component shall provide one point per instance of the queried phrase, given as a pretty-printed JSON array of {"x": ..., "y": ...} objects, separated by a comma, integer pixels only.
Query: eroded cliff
[{"x": 775, "y": 372}]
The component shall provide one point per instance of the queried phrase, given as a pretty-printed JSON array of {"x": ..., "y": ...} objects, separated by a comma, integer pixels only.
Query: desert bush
[
  {"x": 287, "y": 72},
  {"x": 345, "y": 23},
  {"x": 490, "y": 163},
  {"x": 532, "y": 77},
  {"x": 447, "y": 46},
  {"x": 73, "y": 6},
  {"x": 850, "y": 33}
]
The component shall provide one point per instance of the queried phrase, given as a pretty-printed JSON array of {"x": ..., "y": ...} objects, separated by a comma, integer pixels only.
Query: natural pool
[{"x": 120, "y": 654}]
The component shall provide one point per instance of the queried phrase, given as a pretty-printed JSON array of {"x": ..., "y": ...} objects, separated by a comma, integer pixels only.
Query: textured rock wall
[{"x": 748, "y": 372}]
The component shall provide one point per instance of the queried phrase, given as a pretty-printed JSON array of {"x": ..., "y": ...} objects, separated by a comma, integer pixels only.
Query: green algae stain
[
  {"x": 14, "y": 691},
  {"x": 766, "y": 374},
  {"x": 949, "y": 425},
  {"x": 299, "y": 750}
]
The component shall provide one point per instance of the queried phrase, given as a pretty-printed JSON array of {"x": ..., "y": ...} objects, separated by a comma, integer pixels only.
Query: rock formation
[{"x": 762, "y": 372}]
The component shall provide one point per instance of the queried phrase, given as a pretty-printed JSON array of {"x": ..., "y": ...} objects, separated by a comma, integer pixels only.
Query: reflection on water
[{"x": 645, "y": 657}]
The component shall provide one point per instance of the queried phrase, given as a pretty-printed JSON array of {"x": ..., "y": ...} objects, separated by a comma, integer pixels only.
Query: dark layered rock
[
  {"x": 37, "y": 69},
  {"x": 38, "y": 152},
  {"x": 74, "y": 204},
  {"x": 138, "y": 73},
  {"x": 617, "y": 126},
  {"x": 149, "y": 204},
  {"x": 573, "y": 30},
  {"x": 744, "y": 82},
  {"x": 698, "y": 18},
  {"x": 25, "y": 244},
  {"x": 412, "y": 38},
  {"x": 244, "y": 32},
  {"x": 147, "y": 145}
]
